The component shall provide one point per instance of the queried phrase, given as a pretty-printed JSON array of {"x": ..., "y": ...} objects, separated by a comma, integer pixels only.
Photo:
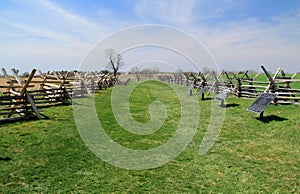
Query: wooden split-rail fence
[
  {"x": 196, "y": 81},
  {"x": 287, "y": 88},
  {"x": 23, "y": 98},
  {"x": 242, "y": 84}
]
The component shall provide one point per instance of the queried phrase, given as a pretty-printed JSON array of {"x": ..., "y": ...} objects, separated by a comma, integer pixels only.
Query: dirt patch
[{"x": 3, "y": 82}]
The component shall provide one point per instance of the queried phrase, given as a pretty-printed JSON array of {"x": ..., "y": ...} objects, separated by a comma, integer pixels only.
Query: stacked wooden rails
[
  {"x": 248, "y": 87},
  {"x": 242, "y": 84},
  {"x": 287, "y": 88},
  {"x": 89, "y": 82},
  {"x": 175, "y": 78},
  {"x": 52, "y": 90},
  {"x": 16, "y": 103},
  {"x": 22, "y": 98},
  {"x": 196, "y": 80},
  {"x": 218, "y": 84}
]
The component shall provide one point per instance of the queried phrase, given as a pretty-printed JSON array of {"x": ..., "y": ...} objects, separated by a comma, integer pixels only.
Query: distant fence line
[
  {"x": 23, "y": 97},
  {"x": 243, "y": 84}
]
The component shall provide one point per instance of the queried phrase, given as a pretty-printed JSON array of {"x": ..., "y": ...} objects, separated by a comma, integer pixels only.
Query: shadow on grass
[
  {"x": 24, "y": 118},
  {"x": 270, "y": 118},
  {"x": 206, "y": 98},
  {"x": 44, "y": 106},
  {"x": 5, "y": 158},
  {"x": 27, "y": 117},
  {"x": 44, "y": 117},
  {"x": 231, "y": 105}
]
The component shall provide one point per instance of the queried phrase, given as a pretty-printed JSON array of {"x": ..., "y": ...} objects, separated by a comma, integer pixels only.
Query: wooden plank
[
  {"x": 28, "y": 82},
  {"x": 285, "y": 102},
  {"x": 245, "y": 74},
  {"x": 20, "y": 82},
  {"x": 2, "y": 98},
  {"x": 288, "y": 97},
  {"x": 45, "y": 90},
  {"x": 41, "y": 73},
  {"x": 49, "y": 98},
  {"x": 287, "y": 80},
  {"x": 24, "y": 90},
  {"x": 251, "y": 90},
  {"x": 57, "y": 75},
  {"x": 34, "y": 108},
  {"x": 12, "y": 108},
  {"x": 31, "y": 86},
  {"x": 13, "y": 113},
  {"x": 49, "y": 103},
  {"x": 51, "y": 85},
  {"x": 256, "y": 82},
  {"x": 255, "y": 76},
  {"x": 249, "y": 93},
  {"x": 15, "y": 92},
  {"x": 288, "y": 93},
  {"x": 48, "y": 81},
  {"x": 253, "y": 86},
  {"x": 4, "y": 73},
  {"x": 271, "y": 80},
  {"x": 15, "y": 74},
  {"x": 11, "y": 103},
  {"x": 249, "y": 96},
  {"x": 293, "y": 76},
  {"x": 52, "y": 77}
]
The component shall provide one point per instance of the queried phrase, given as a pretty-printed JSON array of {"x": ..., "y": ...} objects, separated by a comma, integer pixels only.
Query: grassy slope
[{"x": 249, "y": 156}]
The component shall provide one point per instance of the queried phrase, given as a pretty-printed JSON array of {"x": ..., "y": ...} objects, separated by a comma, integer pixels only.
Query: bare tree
[
  {"x": 136, "y": 71},
  {"x": 114, "y": 60},
  {"x": 149, "y": 72}
]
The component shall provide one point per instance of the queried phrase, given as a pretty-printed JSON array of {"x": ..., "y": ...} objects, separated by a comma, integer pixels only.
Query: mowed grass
[{"x": 250, "y": 156}]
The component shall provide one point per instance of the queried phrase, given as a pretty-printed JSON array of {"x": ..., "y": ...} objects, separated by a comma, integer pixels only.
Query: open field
[
  {"x": 250, "y": 155},
  {"x": 35, "y": 85}
]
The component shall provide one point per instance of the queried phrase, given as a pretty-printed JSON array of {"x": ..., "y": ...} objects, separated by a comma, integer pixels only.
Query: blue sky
[{"x": 58, "y": 34}]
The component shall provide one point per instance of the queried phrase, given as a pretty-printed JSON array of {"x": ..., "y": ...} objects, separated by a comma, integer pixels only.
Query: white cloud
[
  {"x": 167, "y": 11},
  {"x": 40, "y": 32},
  {"x": 251, "y": 42},
  {"x": 216, "y": 8},
  {"x": 45, "y": 33},
  {"x": 244, "y": 43}
]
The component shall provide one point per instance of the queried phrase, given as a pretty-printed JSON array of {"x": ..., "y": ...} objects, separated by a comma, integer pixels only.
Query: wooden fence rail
[{"x": 22, "y": 98}]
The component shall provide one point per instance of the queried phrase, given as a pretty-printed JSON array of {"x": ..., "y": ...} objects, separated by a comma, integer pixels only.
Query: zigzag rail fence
[{"x": 22, "y": 99}]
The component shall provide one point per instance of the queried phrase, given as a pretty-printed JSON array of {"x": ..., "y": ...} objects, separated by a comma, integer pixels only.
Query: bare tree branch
[{"x": 115, "y": 60}]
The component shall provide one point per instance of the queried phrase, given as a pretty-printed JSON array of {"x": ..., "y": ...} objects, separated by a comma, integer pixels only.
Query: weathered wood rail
[
  {"x": 279, "y": 84},
  {"x": 16, "y": 101},
  {"x": 22, "y": 98},
  {"x": 243, "y": 85}
]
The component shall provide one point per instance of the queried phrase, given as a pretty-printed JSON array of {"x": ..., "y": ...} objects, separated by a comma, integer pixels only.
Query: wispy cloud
[
  {"x": 168, "y": 11},
  {"x": 250, "y": 42},
  {"x": 44, "y": 33},
  {"x": 216, "y": 8},
  {"x": 240, "y": 34},
  {"x": 49, "y": 20}
]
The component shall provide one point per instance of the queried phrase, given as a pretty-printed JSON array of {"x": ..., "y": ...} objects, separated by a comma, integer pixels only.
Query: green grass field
[{"x": 250, "y": 155}]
